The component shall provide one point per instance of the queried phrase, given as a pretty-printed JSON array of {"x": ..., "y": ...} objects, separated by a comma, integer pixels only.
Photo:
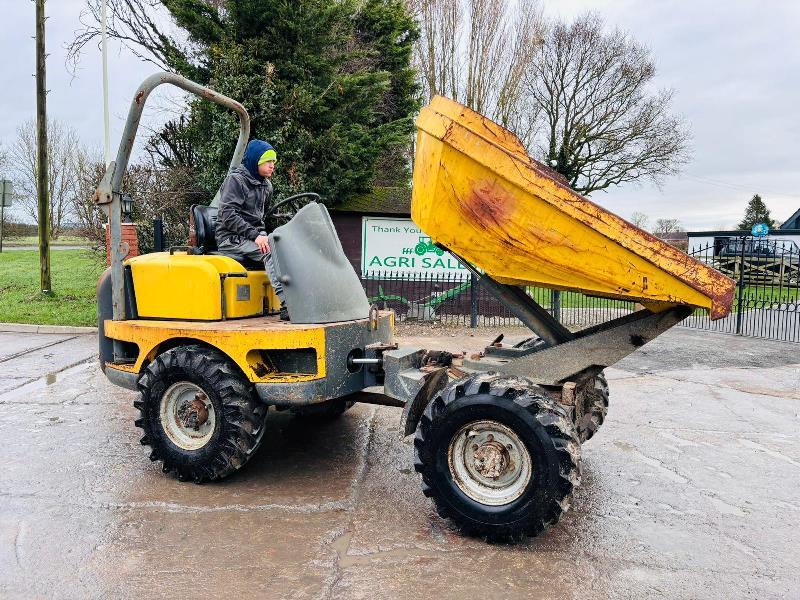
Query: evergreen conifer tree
[
  {"x": 328, "y": 83},
  {"x": 756, "y": 212}
]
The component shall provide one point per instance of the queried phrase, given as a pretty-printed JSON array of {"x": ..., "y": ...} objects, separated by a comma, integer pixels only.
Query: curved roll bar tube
[{"x": 108, "y": 192}]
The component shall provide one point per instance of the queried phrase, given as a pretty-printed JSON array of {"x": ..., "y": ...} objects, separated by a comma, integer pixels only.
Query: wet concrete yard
[{"x": 691, "y": 490}]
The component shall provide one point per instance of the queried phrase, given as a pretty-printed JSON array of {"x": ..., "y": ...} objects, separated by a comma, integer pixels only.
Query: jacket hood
[{"x": 254, "y": 150}]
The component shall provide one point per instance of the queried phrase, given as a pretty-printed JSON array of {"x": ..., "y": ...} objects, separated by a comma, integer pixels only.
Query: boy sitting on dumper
[{"x": 245, "y": 193}]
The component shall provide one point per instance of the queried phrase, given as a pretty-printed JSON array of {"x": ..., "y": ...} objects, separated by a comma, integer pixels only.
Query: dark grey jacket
[{"x": 241, "y": 206}]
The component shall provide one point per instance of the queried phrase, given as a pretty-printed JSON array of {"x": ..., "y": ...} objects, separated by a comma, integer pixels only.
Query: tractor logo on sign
[{"x": 426, "y": 245}]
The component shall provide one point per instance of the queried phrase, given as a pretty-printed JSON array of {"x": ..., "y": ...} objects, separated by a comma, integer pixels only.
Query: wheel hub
[
  {"x": 193, "y": 414},
  {"x": 491, "y": 459},
  {"x": 489, "y": 462},
  {"x": 187, "y": 416}
]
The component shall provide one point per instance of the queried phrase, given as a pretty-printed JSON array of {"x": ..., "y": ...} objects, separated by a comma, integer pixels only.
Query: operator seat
[{"x": 203, "y": 220}]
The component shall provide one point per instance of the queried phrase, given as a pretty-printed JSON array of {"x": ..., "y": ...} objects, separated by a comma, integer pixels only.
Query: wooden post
[
  {"x": 2, "y": 210},
  {"x": 42, "y": 185},
  {"x": 555, "y": 303}
]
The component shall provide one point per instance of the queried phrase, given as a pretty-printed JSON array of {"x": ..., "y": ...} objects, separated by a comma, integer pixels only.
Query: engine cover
[{"x": 198, "y": 287}]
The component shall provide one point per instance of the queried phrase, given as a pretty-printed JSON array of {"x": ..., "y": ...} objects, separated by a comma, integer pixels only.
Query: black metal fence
[
  {"x": 456, "y": 299},
  {"x": 765, "y": 303},
  {"x": 767, "y": 276}
]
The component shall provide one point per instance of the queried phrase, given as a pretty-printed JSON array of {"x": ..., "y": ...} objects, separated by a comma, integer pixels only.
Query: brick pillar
[{"x": 129, "y": 236}]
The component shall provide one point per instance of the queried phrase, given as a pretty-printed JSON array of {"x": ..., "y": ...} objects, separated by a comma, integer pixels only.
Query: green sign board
[{"x": 399, "y": 247}]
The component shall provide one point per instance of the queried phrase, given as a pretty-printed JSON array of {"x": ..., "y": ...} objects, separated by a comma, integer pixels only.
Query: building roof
[
  {"x": 740, "y": 233},
  {"x": 672, "y": 236},
  {"x": 381, "y": 200},
  {"x": 792, "y": 221}
]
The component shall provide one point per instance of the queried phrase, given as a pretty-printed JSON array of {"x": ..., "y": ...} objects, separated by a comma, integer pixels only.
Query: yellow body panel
[
  {"x": 240, "y": 340},
  {"x": 478, "y": 193},
  {"x": 182, "y": 286}
]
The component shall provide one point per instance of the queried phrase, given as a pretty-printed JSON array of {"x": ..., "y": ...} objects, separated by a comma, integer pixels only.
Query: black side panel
[
  {"x": 104, "y": 311},
  {"x": 130, "y": 295}
]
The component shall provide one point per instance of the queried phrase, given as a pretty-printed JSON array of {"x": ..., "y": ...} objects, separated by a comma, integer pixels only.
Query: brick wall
[{"x": 129, "y": 236}]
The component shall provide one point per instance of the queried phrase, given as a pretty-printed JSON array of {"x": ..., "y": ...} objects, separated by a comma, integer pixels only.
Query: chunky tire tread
[
  {"x": 544, "y": 413},
  {"x": 595, "y": 408},
  {"x": 595, "y": 399},
  {"x": 240, "y": 414}
]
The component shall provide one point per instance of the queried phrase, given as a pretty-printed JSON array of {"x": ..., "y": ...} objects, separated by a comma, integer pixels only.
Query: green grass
[
  {"x": 74, "y": 274},
  {"x": 32, "y": 240},
  {"x": 544, "y": 298},
  {"x": 770, "y": 293}
]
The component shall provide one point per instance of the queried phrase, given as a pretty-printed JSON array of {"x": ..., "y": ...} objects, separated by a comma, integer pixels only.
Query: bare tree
[
  {"x": 640, "y": 219},
  {"x": 478, "y": 52},
  {"x": 90, "y": 218},
  {"x": 63, "y": 149},
  {"x": 170, "y": 146},
  {"x": 664, "y": 226},
  {"x": 142, "y": 26},
  {"x": 602, "y": 126},
  {"x": 165, "y": 193},
  {"x": 436, "y": 53}
]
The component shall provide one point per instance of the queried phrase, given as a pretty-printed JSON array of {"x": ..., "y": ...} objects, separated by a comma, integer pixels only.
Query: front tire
[
  {"x": 497, "y": 457},
  {"x": 199, "y": 415}
]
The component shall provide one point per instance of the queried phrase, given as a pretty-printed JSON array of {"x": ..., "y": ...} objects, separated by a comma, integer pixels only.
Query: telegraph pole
[{"x": 42, "y": 185}]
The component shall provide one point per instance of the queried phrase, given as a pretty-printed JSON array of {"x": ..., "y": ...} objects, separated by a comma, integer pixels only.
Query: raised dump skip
[{"x": 478, "y": 193}]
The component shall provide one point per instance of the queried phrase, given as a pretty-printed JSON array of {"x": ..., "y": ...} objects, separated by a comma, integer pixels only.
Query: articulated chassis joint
[
  {"x": 566, "y": 355},
  {"x": 562, "y": 363}
]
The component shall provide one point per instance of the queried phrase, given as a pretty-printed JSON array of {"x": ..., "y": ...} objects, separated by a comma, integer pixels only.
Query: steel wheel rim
[
  {"x": 187, "y": 416},
  {"x": 489, "y": 462}
]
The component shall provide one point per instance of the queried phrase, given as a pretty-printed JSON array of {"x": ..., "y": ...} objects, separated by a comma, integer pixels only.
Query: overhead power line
[{"x": 738, "y": 186}]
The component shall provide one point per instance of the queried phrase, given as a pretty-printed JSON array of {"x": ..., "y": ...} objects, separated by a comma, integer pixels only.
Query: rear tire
[
  {"x": 594, "y": 394},
  {"x": 497, "y": 457},
  {"x": 199, "y": 415},
  {"x": 595, "y": 407}
]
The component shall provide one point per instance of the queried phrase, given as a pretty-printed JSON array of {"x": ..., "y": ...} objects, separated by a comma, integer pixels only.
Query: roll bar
[{"x": 108, "y": 193}]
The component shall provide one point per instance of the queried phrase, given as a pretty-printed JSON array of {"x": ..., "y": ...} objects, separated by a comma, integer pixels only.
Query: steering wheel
[{"x": 281, "y": 212}]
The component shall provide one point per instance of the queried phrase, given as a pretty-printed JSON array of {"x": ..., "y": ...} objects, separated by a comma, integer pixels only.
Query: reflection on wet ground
[{"x": 689, "y": 490}]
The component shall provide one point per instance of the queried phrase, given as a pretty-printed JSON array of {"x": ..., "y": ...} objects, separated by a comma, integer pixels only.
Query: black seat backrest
[{"x": 205, "y": 222}]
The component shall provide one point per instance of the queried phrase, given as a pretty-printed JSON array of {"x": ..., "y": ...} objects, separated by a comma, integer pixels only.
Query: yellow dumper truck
[{"x": 497, "y": 437}]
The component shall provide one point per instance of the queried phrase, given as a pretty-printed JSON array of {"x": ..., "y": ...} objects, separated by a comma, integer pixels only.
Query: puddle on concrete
[
  {"x": 25, "y": 391},
  {"x": 341, "y": 545}
]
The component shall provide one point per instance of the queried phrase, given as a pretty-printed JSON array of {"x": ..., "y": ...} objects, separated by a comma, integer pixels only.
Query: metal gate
[
  {"x": 767, "y": 275},
  {"x": 765, "y": 304}
]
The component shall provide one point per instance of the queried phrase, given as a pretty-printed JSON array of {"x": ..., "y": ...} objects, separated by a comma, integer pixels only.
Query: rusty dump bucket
[{"x": 478, "y": 193}]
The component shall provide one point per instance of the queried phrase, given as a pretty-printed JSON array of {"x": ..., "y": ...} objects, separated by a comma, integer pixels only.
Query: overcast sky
[{"x": 733, "y": 66}]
